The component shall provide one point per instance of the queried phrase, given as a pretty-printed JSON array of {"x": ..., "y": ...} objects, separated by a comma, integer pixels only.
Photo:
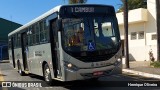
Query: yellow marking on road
[
  {"x": 1, "y": 76},
  {"x": 1, "y": 80}
]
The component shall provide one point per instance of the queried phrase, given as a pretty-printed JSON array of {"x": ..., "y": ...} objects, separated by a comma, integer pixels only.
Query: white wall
[
  {"x": 151, "y": 24},
  {"x": 134, "y": 16},
  {"x": 121, "y": 28},
  {"x": 137, "y": 46},
  {"x": 137, "y": 27},
  {"x": 151, "y": 27},
  {"x": 140, "y": 48}
]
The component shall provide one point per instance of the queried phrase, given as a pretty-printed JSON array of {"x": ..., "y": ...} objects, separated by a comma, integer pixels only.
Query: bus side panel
[
  {"x": 37, "y": 55},
  {"x": 10, "y": 56}
]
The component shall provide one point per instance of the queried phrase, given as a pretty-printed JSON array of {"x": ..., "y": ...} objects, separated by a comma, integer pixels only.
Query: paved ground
[
  {"x": 104, "y": 83},
  {"x": 144, "y": 67}
]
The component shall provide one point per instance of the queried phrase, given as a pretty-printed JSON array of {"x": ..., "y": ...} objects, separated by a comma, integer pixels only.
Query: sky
[{"x": 23, "y": 11}]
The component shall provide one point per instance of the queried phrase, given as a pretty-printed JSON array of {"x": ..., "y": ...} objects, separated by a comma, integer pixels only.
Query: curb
[
  {"x": 5, "y": 61},
  {"x": 142, "y": 73}
]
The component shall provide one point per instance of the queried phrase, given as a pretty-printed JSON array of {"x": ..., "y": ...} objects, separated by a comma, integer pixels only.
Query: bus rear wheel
[
  {"x": 47, "y": 75},
  {"x": 20, "y": 70}
]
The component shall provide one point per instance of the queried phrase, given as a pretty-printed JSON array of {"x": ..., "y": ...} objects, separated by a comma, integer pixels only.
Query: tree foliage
[
  {"x": 134, "y": 4},
  {"x": 76, "y": 1}
]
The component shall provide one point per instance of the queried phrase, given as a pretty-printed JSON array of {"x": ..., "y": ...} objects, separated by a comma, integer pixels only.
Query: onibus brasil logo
[{"x": 21, "y": 84}]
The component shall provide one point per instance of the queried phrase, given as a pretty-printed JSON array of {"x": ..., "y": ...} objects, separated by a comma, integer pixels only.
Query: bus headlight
[
  {"x": 70, "y": 66},
  {"x": 117, "y": 62}
]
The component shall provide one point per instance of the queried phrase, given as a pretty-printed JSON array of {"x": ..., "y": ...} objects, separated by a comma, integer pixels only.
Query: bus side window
[
  {"x": 14, "y": 40},
  {"x": 37, "y": 33},
  {"x": 43, "y": 32},
  {"x": 29, "y": 36},
  {"x": 9, "y": 43},
  {"x": 55, "y": 32},
  {"x": 18, "y": 40},
  {"x": 46, "y": 30},
  {"x": 34, "y": 34}
]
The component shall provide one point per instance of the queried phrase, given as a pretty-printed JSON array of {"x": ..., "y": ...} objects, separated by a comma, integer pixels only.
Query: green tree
[
  {"x": 134, "y": 4},
  {"x": 76, "y": 1}
]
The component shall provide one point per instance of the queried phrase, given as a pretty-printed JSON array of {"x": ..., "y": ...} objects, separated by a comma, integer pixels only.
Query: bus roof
[{"x": 56, "y": 9}]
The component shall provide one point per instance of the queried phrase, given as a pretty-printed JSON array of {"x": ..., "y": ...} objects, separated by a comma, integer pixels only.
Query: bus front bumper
[{"x": 83, "y": 74}]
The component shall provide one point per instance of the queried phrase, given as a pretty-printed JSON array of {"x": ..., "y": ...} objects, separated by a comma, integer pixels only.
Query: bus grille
[{"x": 95, "y": 58}]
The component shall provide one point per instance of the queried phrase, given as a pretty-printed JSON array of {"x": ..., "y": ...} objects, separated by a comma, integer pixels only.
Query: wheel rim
[
  {"x": 47, "y": 73},
  {"x": 20, "y": 71}
]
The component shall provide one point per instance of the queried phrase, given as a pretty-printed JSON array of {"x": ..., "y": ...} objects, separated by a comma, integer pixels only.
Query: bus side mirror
[{"x": 59, "y": 24}]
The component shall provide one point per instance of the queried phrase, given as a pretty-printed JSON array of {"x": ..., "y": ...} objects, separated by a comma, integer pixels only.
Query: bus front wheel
[
  {"x": 94, "y": 79},
  {"x": 47, "y": 74}
]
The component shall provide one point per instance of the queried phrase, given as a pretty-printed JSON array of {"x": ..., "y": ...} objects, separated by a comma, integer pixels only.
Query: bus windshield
[{"x": 90, "y": 33}]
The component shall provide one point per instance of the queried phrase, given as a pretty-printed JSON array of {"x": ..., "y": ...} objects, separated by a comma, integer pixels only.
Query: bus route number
[{"x": 82, "y": 9}]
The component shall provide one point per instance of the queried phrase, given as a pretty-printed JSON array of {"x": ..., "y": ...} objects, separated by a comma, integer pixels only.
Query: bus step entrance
[
  {"x": 59, "y": 77},
  {"x": 58, "y": 74}
]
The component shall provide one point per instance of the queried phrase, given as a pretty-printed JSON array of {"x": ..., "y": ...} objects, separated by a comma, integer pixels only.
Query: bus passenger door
[
  {"x": 54, "y": 48},
  {"x": 12, "y": 50},
  {"x": 24, "y": 42}
]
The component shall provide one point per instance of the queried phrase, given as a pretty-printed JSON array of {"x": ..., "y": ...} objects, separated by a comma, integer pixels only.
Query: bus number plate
[{"x": 97, "y": 73}]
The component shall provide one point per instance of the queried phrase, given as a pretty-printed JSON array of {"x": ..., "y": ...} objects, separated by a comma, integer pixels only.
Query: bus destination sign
[{"x": 82, "y": 9}]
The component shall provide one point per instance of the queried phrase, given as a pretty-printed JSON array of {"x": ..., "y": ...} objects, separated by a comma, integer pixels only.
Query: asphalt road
[{"x": 115, "y": 82}]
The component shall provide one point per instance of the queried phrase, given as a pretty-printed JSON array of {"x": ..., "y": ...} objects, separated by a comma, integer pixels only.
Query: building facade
[
  {"x": 6, "y": 27},
  {"x": 142, "y": 35}
]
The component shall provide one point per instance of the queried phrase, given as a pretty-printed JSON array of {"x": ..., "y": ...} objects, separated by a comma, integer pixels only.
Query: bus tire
[
  {"x": 47, "y": 74},
  {"x": 94, "y": 79},
  {"x": 20, "y": 70}
]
